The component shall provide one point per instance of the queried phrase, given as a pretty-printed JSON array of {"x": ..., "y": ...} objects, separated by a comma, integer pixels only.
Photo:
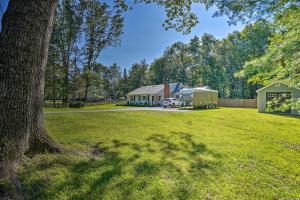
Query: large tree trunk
[
  {"x": 39, "y": 140},
  {"x": 22, "y": 42}
]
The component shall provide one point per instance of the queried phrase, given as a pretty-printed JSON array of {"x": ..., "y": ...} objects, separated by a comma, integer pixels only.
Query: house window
[
  {"x": 139, "y": 98},
  {"x": 159, "y": 98},
  {"x": 133, "y": 98},
  {"x": 152, "y": 98},
  {"x": 143, "y": 98}
]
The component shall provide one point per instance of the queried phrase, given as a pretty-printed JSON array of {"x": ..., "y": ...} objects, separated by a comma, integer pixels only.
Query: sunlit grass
[
  {"x": 88, "y": 107},
  {"x": 222, "y": 153}
]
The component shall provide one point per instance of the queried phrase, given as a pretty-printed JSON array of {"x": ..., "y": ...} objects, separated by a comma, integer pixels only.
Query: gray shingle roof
[{"x": 152, "y": 89}]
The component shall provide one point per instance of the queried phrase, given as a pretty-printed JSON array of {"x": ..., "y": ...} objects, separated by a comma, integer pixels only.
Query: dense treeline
[
  {"x": 282, "y": 58},
  {"x": 236, "y": 66},
  {"x": 202, "y": 61},
  {"x": 207, "y": 61}
]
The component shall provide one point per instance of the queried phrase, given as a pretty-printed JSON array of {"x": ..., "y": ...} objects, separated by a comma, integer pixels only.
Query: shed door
[{"x": 283, "y": 96}]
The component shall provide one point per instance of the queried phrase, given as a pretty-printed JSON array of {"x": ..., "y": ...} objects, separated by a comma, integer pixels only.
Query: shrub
[
  {"x": 76, "y": 104},
  {"x": 296, "y": 104},
  {"x": 122, "y": 104},
  {"x": 282, "y": 105}
]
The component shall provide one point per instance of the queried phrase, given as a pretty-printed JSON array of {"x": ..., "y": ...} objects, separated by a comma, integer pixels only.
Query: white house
[{"x": 154, "y": 94}]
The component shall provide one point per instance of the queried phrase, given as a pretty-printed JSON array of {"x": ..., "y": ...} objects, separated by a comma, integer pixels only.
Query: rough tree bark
[
  {"x": 39, "y": 140},
  {"x": 26, "y": 26}
]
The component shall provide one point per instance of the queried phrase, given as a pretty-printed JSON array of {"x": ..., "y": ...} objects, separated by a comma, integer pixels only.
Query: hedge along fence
[{"x": 238, "y": 103}]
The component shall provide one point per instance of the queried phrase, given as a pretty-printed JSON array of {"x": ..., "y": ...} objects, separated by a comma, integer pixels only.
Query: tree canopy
[{"x": 282, "y": 58}]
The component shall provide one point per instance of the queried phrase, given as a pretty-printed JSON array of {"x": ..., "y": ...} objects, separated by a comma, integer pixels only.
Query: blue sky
[{"x": 145, "y": 38}]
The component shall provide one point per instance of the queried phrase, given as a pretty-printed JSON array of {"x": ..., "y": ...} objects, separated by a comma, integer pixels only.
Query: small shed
[{"x": 275, "y": 90}]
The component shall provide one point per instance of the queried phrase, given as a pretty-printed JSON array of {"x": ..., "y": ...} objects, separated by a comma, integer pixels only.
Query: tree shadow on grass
[{"x": 175, "y": 160}]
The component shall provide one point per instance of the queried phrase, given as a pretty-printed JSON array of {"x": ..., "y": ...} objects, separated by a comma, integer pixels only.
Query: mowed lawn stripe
[{"x": 226, "y": 153}]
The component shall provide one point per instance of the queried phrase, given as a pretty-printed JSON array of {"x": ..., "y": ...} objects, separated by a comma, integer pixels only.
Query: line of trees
[
  {"x": 204, "y": 61},
  {"x": 207, "y": 61},
  {"x": 236, "y": 65}
]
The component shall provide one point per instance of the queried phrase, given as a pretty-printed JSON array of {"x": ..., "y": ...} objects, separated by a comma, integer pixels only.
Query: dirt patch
[
  {"x": 94, "y": 151},
  {"x": 291, "y": 145},
  {"x": 98, "y": 151}
]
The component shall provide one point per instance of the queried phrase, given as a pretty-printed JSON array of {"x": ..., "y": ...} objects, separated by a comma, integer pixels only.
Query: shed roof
[
  {"x": 154, "y": 89},
  {"x": 190, "y": 91},
  {"x": 201, "y": 89},
  {"x": 281, "y": 82}
]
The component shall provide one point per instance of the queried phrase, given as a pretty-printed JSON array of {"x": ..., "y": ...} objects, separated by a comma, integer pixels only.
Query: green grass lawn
[
  {"x": 222, "y": 153},
  {"x": 89, "y": 107}
]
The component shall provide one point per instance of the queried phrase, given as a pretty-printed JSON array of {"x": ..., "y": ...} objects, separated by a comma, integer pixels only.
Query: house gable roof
[
  {"x": 155, "y": 89},
  {"x": 281, "y": 82}
]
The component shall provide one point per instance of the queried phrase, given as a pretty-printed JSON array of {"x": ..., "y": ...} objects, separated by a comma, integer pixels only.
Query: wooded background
[{"x": 236, "y": 65}]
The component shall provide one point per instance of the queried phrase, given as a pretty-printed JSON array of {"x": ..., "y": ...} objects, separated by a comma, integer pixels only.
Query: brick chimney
[{"x": 167, "y": 93}]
